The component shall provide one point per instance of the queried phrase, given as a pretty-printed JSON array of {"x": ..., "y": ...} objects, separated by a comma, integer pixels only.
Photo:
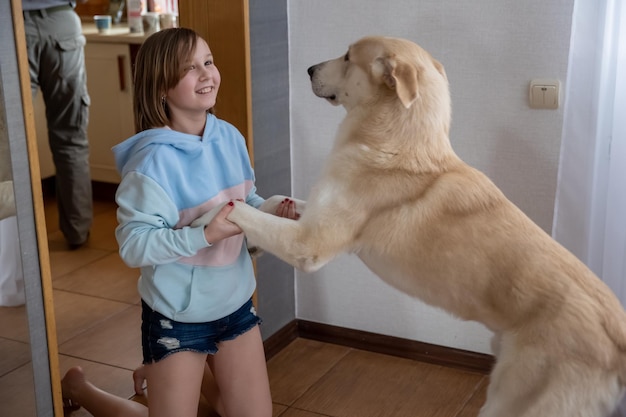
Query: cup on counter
[
  {"x": 151, "y": 23},
  {"x": 103, "y": 23},
  {"x": 168, "y": 20}
]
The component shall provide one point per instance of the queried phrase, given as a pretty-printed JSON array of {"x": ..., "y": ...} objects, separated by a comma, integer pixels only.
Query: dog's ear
[
  {"x": 402, "y": 77},
  {"x": 439, "y": 67}
]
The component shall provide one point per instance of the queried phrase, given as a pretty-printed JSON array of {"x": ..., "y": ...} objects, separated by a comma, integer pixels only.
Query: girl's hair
[{"x": 159, "y": 67}]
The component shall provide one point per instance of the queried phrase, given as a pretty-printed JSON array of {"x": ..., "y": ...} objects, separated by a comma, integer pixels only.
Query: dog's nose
[{"x": 311, "y": 70}]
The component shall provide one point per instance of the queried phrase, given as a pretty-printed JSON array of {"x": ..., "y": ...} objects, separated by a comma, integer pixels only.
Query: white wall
[{"x": 491, "y": 49}]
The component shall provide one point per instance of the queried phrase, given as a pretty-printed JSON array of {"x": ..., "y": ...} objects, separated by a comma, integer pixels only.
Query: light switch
[{"x": 544, "y": 93}]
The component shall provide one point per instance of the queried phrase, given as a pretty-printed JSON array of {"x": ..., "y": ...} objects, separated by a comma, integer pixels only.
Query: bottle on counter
[{"x": 135, "y": 8}]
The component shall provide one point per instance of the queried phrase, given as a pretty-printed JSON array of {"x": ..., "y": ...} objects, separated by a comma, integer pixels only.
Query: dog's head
[{"x": 376, "y": 67}]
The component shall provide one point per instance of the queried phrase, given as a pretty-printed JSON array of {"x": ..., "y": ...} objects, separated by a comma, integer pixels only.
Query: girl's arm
[{"x": 146, "y": 217}]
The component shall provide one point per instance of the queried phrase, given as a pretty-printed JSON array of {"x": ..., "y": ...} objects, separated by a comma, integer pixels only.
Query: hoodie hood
[{"x": 133, "y": 150}]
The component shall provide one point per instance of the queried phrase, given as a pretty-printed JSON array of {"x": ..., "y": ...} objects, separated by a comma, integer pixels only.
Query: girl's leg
[
  {"x": 174, "y": 384},
  {"x": 241, "y": 373},
  {"x": 99, "y": 403},
  {"x": 210, "y": 390}
]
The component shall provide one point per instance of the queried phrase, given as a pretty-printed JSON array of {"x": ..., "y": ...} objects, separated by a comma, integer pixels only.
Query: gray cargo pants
[{"x": 57, "y": 65}]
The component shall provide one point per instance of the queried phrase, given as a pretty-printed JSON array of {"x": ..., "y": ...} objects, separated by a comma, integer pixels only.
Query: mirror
[
  {"x": 29, "y": 380},
  {"x": 32, "y": 327}
]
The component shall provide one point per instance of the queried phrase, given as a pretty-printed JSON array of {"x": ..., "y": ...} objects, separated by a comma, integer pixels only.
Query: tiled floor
[{"x": 98, "y": 327}]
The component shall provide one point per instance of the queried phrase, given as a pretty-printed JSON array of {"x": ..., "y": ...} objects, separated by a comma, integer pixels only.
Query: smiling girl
[{"x": 196, "y": 283}]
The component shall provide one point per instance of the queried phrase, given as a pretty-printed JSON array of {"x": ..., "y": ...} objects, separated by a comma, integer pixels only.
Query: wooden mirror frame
[{"x": 20, "y": 124}]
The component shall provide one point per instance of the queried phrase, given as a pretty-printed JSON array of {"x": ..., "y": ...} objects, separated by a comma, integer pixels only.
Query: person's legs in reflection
[{"x": 57, "y": 66}]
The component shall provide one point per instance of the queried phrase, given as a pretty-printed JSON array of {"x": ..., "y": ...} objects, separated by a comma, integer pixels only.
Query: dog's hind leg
[{"x": 527, "y": 382}]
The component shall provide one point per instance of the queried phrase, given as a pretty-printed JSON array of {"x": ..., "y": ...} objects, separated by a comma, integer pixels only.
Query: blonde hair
[{"x": 158, "y": 68}]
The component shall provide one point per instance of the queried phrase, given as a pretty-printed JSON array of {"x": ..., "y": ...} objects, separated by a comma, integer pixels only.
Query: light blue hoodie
[{"x": 169, "y": 179}]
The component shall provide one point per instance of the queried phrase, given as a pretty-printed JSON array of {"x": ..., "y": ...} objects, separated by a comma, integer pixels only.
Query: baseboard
[
  {"x": 279, "y": 340},
  {"x": 373, "y": 342},
  {"x": 102, "y": 191}
]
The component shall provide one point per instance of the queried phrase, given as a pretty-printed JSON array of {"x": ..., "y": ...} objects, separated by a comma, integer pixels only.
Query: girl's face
[{"x": 196, "y": 91}]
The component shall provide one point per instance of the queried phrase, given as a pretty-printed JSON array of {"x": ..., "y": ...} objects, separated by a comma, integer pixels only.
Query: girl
[{"x": 196, "y": 283}]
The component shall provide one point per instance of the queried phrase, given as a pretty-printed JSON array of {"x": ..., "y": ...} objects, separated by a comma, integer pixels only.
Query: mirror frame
[{"x": 20, "y": 123}]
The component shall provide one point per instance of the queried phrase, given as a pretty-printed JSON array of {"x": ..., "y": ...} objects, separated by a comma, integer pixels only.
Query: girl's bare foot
[{"x": 71, "y": 385}]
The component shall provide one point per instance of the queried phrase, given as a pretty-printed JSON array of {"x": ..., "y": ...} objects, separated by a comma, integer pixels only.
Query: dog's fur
[{"x": 395, "y": 193}]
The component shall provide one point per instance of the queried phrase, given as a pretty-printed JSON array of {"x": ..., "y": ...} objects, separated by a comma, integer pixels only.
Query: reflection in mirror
[
  {"x": 27, "y": 370},
  {"x": 16, "y": 381}
]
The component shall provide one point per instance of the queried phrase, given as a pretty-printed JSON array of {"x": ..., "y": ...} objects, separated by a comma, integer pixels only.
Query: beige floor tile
[
  {"x": 14, "y": 354},
  {"x": 294, "y": 412},
  {"x": 278, "y": 409},
  {"x": 17, "y": 395},
  {"x": 293, "y": 370},
  {"x": 364, "y": 384},
  {"x": 76, "y": 314},
  {"x": 64, "y": 261},
  {"x": 115, "y": 341},
  {"x": 107, "y": 277},
  {"x": 14, "y": 323},
  {"x": 472, "y": 408}
]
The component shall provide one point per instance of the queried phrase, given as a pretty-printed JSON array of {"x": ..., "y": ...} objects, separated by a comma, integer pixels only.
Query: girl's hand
[
  {"x": 139, "y": 377},
  {"x": 287, "y": 208},
  {"x": 219, "y": 227}
]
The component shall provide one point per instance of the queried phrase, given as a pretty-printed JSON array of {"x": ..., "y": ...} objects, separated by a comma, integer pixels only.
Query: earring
[{"x": 163, "y": 100}]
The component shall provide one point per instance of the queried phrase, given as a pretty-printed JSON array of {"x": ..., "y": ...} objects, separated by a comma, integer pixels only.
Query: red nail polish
[{"x": 230, "y": 203}]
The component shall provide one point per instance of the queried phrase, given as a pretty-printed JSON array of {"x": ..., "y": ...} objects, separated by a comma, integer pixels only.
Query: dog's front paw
[
  {"x": 206, "y": 217},
  {"x": 271, "y": 204},
  {"x": 202, "y": 220}
]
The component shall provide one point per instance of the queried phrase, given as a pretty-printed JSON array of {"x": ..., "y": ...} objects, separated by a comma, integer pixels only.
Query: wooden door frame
[{"x": 225, "y": 25}]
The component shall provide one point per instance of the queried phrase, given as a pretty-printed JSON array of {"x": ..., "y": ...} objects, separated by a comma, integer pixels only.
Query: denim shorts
[{"x": 160, "y": 336}]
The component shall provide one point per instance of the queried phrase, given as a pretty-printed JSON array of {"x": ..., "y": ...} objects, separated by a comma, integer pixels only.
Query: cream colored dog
[{"x": 395, "y": 193}]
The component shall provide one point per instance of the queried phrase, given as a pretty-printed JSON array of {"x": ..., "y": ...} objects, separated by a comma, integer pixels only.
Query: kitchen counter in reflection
[{"x": 117, "y": 34}]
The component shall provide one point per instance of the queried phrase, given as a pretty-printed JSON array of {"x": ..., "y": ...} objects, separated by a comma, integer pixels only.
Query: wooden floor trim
[
  {"x": 281, "y": 339},
  {"x": 373, "y": 342}
]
